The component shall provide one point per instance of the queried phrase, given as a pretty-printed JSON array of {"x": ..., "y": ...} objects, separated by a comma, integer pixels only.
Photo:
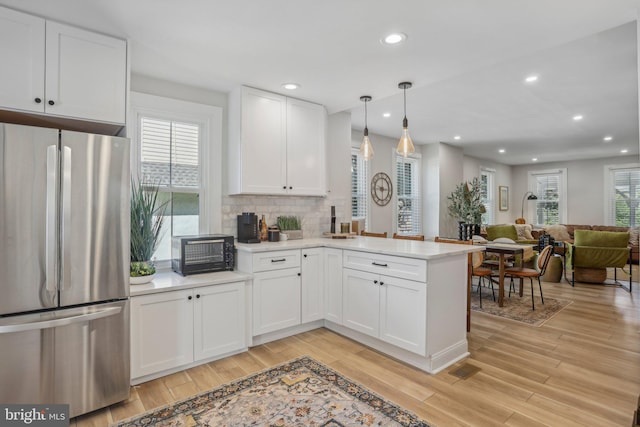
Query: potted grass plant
[
  {"x": 291, "y": 226},
  {"x": 147, "y": 216}
]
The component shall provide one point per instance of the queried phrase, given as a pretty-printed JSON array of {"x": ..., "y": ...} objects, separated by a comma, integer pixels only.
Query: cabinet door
[
  {"x": 333, "y": 285},
  {"x": 22, "y": 53},
  {"x": 263, "y": 139},
  {"x": 306, "y": 174},
  {"x": 403, "y": 308},
  {"x": 218, "y": 320},
  {"x": 86, "y": 74},
  {"x": 276, "y": 300},
  {"x": 312, "y": 280},
  {"x": 361, "y": 301},
  {"x": 161, "y": 332}
]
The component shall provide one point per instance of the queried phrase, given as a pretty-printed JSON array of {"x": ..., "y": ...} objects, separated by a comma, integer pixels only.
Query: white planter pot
[{"x": 141, "y": 280}]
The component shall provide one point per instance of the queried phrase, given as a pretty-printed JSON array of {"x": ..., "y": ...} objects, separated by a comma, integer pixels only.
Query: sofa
[{"x": 566, "y": 233}]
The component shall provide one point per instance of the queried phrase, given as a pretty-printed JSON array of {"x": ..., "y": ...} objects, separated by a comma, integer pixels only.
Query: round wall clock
[{"x": 381, "y": 189}]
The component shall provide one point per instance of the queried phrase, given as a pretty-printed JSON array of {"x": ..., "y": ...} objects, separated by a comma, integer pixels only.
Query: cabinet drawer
[
  {"x": 277, "y": 260},
  {"x": 395, "y": 266}
]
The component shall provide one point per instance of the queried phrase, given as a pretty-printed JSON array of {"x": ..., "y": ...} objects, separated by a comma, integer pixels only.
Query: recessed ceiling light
[
  {"x": 386, "y": 115},
  {"x": 502, "y": 150},
  {"x": 457, "y": 137},
  {"x": 393, "y": 38},
  {"x": 624, "y": 151},
  {"x": 290, "y": 86},
  {"x": 577, "y": 117},
  {"x": 531, "y": 79},
  {"x": 535, "y": 159},
  {"x": 607, "y": 138}
]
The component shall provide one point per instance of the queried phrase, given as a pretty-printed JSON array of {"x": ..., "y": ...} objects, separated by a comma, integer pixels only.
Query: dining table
[{"x": 505, "y": 252}]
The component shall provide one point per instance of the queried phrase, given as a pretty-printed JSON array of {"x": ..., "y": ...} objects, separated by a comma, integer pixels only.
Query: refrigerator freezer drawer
[{"x": 78, "y": 356}]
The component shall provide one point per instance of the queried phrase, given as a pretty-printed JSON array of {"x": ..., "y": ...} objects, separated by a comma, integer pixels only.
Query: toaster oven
[{"x": 202, "y": 254}]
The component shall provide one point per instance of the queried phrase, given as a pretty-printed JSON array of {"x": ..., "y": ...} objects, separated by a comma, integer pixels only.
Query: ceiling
[{"x": 466, "y": 59}]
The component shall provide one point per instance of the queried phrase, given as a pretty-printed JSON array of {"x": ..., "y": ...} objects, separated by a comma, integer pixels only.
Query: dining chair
[
  {"x": 408, "y": 237},
  {"x": 479, "y": 271},
  {"x": 523, "y": 272},
  {"x": 369, "y": 234}
]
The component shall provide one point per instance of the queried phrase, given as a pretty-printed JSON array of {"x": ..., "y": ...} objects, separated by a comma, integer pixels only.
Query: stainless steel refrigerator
[{"x": 64, "y": 268}]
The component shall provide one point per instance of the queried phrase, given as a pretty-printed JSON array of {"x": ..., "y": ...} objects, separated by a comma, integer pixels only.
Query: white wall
[
  {"x": 380, "y": 217},
  {"x": 472, "y": 166},
  {"x": 585, "y": 187}
]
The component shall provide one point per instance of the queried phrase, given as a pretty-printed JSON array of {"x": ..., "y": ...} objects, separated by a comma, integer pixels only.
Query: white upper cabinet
[
  {"x": 86, "y": 74},
  {"x": 54, "y": 69},
  {"x": 22, "y": 71},
  {"x": 276, "y": 144}
]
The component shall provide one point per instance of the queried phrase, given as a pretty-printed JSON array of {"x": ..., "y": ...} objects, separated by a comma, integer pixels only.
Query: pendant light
[
  {"x": 405, "y": 146},
  {"x": 366, "y": 149}
]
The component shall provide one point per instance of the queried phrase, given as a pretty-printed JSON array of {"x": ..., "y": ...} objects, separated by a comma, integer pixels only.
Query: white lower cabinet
[
  {"x": 388, "y": 308},
  {"x": 312, "y": 289},
  {"x": 276, "y": 300},
  {"x": 177, "y": 328},
  {"x": 332, "y": 261}
]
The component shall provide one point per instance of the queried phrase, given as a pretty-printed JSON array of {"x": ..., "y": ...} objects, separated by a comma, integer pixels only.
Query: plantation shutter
[{"x": 408, "y": 211}]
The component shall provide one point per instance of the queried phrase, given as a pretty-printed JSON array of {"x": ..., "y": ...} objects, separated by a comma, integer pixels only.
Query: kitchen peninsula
[{"x": 405, "y": 298}]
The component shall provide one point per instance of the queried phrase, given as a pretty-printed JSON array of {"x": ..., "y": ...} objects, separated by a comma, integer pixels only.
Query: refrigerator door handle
[
  {"x": 51, "y": 219},
  {"x": 65, "y": 269},
  {"x": 54, "y": 323}
]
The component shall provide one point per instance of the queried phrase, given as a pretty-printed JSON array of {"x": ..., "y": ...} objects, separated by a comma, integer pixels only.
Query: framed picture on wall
[{"x": 503, "y": 194}]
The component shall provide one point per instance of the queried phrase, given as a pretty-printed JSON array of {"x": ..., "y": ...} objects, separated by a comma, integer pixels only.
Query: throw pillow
[
  {"x": 558, "y": 232},
  {"x": 634, "y": 235},
  {"x": 524, "y": 231}
]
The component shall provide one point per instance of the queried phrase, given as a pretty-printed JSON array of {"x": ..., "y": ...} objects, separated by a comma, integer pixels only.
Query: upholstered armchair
[{"x": 592, "y": 252}]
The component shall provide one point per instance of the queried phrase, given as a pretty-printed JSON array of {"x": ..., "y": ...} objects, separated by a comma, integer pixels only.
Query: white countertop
[
  {"x": 170, "y": 281},
  {"x": 406, "y": 248}
]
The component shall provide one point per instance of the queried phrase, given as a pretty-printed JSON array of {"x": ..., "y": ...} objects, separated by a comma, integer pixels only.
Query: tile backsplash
[{"x": 315, "y": 212}]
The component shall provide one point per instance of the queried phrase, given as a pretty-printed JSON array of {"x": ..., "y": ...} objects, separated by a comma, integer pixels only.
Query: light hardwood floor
[{"x": 581, "y": 368}]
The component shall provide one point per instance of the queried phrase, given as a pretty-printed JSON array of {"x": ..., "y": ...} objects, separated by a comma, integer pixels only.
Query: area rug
[
  {"x": 517, "y": 308},
  {"x": 302, "y": 392}
]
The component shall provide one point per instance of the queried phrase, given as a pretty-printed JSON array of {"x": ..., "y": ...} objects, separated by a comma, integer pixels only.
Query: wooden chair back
[
  {"x": 369, "y": 234},
  {"x": 408, "y": 237},
  {"x": 459, "y": 242}
]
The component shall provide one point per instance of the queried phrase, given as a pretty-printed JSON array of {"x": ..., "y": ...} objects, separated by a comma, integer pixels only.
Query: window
[
  {"x": 359, "y": 186},
  {"x": 623, "y": 188},
  {"x": 170, "y": 158},
  {"x": 551, "y": 188},
  {"x": 177, "y": 145},
  {"x": 408, "y": 212},
  {"x": 487, "y": 186}
]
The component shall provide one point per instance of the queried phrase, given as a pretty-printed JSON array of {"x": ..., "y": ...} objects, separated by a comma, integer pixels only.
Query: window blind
[
  {"x": 547, "y": 188},
  {"x": 359, "y": 187},
  {"x": 624, "y": 198},
  {"x": 169, "y": 153},
  {"x": 487, "y": 186},
  {"x": 409, "y": 216}
]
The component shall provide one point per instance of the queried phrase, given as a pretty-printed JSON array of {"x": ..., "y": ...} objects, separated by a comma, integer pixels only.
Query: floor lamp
[{"x": 527, "y": 196}]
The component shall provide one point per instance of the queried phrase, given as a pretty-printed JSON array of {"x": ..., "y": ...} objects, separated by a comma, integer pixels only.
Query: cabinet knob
[
  {"x": 197, "y": 295},
  {"x": 51, "y": 102},
  {"x": 189, "y": 297},
  {"x": 290, "y": 188},
  {"x": 305, "y": 255},
  {"x": 38, "y": 100},
  {"x": 284, "y": 187},
  {"x": 299, "y": 274},
  {"x": 381, "y": 283},
  {"x": 375, "y": 282}
]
